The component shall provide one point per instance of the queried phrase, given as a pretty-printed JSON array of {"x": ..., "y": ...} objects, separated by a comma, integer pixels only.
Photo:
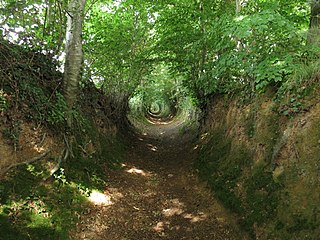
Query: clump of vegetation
[{"x": 31, "y": 208}]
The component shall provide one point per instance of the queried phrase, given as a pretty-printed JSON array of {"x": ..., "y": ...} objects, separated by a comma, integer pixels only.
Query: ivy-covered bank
[
  {"x": 48, "y": 171},
  {"x": 263, "y": 164}
]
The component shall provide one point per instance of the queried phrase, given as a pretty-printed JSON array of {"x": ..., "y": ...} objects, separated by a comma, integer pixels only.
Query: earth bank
[{"x": 261, "y": 160}]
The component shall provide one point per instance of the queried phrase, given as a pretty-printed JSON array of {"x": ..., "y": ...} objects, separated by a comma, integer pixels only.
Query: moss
[
  {"x": 286, "y": 207},
  {"x": 268, "y": 133},
  {"x": 299, "y": 209},
  {"x": 300, "y": 227},
  {"x": 35, "y": 209},
  {"x": 262, "y": 198}
]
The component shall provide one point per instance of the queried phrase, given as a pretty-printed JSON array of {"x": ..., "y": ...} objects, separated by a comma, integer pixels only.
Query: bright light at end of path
[{"x": 99, "y": 198}]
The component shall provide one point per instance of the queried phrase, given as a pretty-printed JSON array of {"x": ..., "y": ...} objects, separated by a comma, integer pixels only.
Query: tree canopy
[{"x": 211, "y": 46}]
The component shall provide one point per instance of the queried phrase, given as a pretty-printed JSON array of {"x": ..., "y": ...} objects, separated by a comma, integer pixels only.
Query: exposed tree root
[
  {"x": 62, "y": 158},
  {"x": 32, "y": 160}
]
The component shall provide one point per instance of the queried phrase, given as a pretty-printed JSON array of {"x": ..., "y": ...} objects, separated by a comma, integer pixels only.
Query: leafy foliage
[
  {"x": 36, "y": 24},
  {"x": 117, "y": 44},
  {"x": 31, "y": 85},
  {"x": 207, "y": 42}
]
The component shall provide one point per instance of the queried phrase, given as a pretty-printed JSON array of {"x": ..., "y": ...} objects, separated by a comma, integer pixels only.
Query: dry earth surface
[{"x": 156, "y": 194}]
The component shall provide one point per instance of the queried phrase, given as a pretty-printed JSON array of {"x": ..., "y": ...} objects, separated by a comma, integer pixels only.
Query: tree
[{"x": 74, "y": 54}]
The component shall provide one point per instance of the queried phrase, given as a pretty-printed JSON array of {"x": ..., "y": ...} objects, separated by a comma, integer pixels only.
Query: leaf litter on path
[{"x": 156, "y": 195}]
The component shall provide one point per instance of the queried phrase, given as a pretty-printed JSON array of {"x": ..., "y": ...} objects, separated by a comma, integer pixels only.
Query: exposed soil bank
[
  {"x": 156, "y": 194},
  {"x": 262, "y": 161}
]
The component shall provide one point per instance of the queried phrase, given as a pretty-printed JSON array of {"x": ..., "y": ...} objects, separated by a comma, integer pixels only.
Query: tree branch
[{"x": 91, "y": 5}]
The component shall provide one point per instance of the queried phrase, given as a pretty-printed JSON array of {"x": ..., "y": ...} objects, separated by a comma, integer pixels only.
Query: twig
[
  {"x": 89, "y": 8},
  {"x": 54, "y": 91},
  {"x": 32, "y": 160},
  {"x": 43, "y": 138}
]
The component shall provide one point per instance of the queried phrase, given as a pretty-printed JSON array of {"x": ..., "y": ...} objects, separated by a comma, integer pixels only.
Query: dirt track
[{"x": 156, "y": 195}]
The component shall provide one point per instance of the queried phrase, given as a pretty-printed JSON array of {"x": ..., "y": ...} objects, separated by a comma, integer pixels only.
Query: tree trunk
[
  {"x": 314, "y": 27},
  {"x": 238, "y": 6},
  {"x": 203, "y": 33},
  {"x": 74, "y": 54}
]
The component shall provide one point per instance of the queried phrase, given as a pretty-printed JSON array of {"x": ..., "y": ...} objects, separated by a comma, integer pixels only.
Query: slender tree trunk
[
  {"x": 46, "y": 24},
  {"x": 74, "y": 54},
  {"x": 314, "y": 27},
  {"x": 238, "y": 6},
  {"x": 203, "y": 33}
]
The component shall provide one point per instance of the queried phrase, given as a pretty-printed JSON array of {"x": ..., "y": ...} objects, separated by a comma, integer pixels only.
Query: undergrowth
[
  {"x": 33, "y": 209},
  {"x": 33, "y": 206}
]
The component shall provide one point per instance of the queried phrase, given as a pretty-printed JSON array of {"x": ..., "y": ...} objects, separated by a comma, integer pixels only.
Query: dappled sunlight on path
[
  {"x": 156, "y": 195},
  {"x": 98, "y": 198}
]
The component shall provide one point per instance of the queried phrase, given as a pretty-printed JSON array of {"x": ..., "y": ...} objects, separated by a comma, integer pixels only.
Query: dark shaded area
[{"x": 16, "y": 232}]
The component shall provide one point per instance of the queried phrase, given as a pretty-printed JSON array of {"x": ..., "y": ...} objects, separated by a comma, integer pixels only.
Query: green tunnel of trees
[
  {"x": 154, "y": 59},
  {"x": 167, "y": 50}
]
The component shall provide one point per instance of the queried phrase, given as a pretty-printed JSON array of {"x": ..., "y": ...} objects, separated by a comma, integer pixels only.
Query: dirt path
[{"x": 156, "y": 195}]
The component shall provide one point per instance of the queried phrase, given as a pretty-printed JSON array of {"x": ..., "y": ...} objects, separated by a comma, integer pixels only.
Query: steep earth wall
[
  {"x": 32, "y": 119},
  {"x": 262, "y": 161}
]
